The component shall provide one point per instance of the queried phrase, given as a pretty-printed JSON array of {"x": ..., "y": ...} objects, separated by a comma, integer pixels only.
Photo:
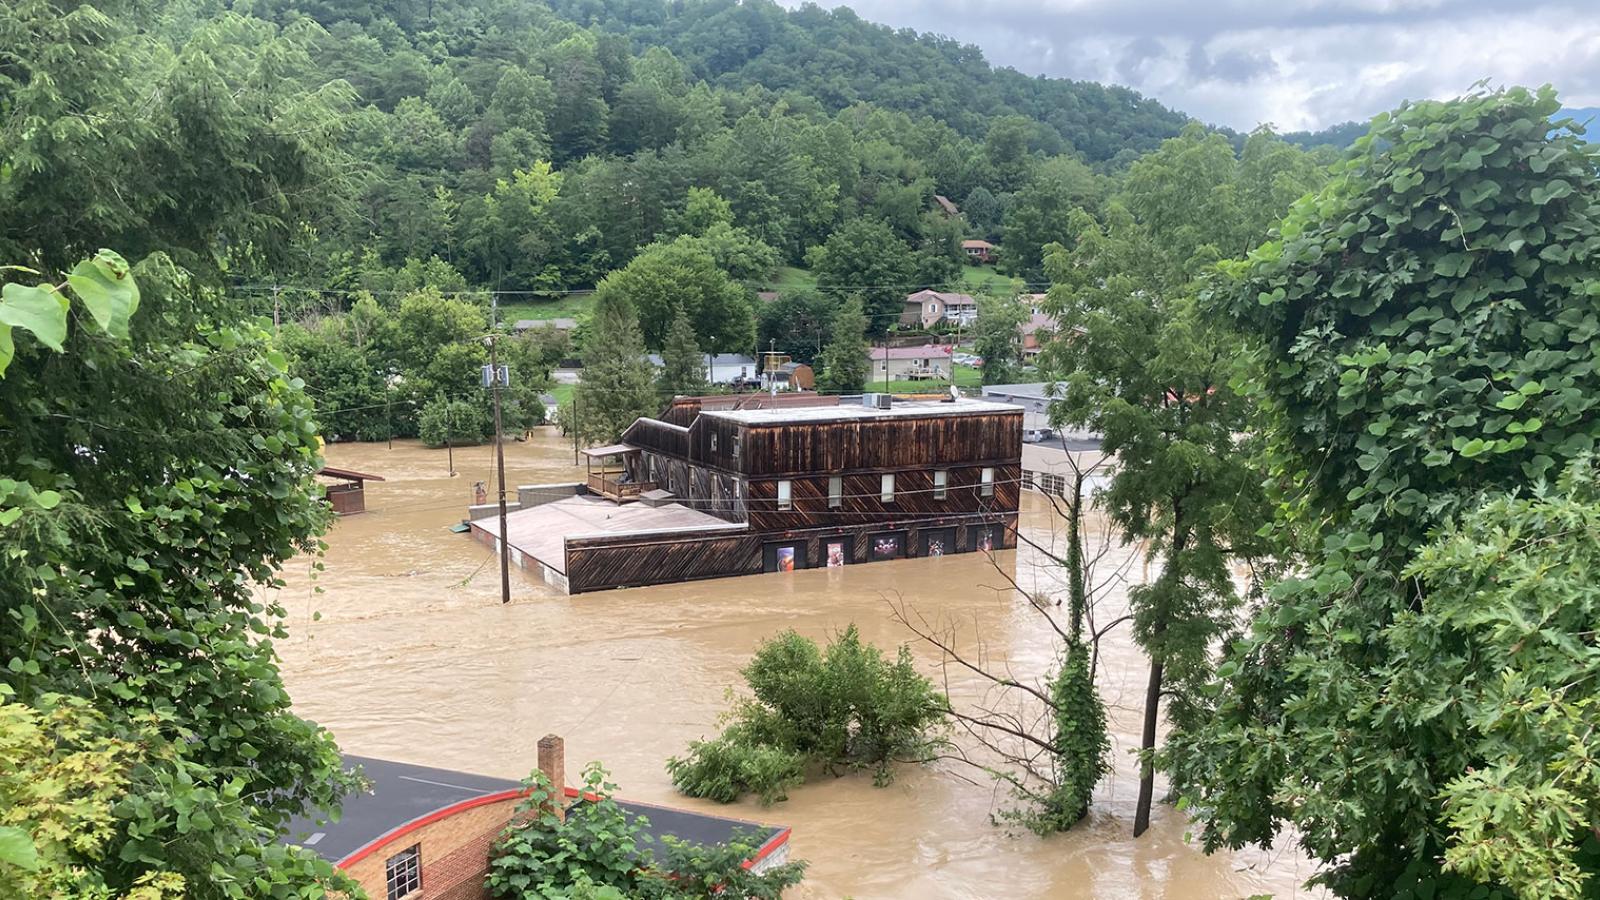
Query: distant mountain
[{"x": 1338, "y": 136}]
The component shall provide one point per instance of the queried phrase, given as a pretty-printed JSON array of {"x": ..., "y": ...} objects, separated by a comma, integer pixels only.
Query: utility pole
[
  {"x": 275, "y": 290},
  {"x": 449, "y": 440},
  {"x": 575, "y": 425},
  {"x": 499, "y": 447}
]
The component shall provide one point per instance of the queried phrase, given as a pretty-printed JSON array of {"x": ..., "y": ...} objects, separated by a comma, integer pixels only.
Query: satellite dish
[{"x": 955, "y": 392}]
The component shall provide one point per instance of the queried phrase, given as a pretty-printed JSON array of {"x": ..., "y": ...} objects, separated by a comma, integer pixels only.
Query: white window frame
[
  {"x": 785, "y": 494},
  {"x": 402, "y": 873},
  {"x": 835, "y": 491},
  {"x": 886, "y": 488},
  {"x": 941, "y": 483},
  {"x": 986, "y": 482}
]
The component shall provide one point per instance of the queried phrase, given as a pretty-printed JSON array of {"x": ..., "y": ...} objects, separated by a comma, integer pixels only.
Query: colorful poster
[
  {"x": 835, "y": 554},
  {"x": 785, "y": 559},
  {"x": 888, "y": 546},
  {"x": 985, "y": 540},
  {"x": 936, "y": 547}
]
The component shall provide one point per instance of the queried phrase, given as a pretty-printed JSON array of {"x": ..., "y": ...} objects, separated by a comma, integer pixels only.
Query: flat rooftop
[
  {"x": 402, "y": 792},
  {"x": 899, "y": 409},
  {"x": 541, "y": 531}
]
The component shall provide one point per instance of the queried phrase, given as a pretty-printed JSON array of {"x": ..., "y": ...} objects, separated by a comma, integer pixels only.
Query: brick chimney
[{"x": 553, "y": 763}]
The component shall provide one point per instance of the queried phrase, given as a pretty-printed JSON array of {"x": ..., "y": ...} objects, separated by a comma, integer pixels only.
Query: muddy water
[{"x": 414, "y": 658}]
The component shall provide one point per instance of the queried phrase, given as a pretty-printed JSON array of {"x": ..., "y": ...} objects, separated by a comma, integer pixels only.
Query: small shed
[
  {"x": 797, "y": 376},
  {"x": 348, "y": 492}
]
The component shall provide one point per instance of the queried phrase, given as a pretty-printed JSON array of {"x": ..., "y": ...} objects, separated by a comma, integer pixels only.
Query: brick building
[{"x": 421, "y": 833}]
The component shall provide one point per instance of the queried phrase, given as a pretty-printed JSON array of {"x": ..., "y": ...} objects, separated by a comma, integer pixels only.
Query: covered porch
[{"x": 613, "y": 472}]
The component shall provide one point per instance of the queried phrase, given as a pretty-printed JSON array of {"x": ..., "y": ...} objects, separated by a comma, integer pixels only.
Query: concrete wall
[
  {"x": 486, "y": 510},
  {"x": 531, "y": 495}
]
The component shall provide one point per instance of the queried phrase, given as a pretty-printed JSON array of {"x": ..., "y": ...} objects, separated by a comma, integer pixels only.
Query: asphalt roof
[{"x": 402, "y": 792}]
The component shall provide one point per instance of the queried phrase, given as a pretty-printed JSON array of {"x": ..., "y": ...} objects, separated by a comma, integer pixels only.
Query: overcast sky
[{"x": 1298, "y": 64}]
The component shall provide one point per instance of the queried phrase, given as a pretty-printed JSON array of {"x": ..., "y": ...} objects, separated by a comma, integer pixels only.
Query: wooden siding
[
  {"x": 615, "y": 561},
  {"x": 697, "y": 487},
  {"x": 652, "y": 434},
  {"x": 914, "y": 498},
  {"x": 928, "y": 442}
]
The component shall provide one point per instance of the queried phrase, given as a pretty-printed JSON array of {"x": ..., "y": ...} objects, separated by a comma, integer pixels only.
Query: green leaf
[
  {"x": 8, "y": 351},
  {"x": 16, "y": 848},
  {"x": 107, "y": 290},
  {"x": 47, "y": 499},
  {"x": 40, "y": 309}
]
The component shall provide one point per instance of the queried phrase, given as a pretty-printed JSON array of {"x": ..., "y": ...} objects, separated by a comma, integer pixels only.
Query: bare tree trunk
[{"x": 1147, "y": 769}]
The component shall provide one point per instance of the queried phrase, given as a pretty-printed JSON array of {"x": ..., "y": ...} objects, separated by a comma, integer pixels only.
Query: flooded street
[{"x": 415, "y": 659}]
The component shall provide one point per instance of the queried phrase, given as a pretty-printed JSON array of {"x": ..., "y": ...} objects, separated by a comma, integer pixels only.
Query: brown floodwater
[{"x": 414, "y": 658}]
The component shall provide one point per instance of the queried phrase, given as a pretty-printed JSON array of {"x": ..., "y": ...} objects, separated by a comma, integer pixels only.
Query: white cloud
[{"x": 1295, "y": 63}]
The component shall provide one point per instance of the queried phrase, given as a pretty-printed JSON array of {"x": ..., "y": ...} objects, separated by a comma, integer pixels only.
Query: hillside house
[
  {"x": 743, "y": 484},
  {"x": 979, "y": 252},
  {"x": 929, "y": 361},
  {"x": 946, "y": 206},
  {"x": 929, "y": 307}
]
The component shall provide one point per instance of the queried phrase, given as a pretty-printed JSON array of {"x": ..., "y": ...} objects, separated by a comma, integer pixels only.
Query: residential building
[
  {"x": 1035, "y": 331},
  {"x": 931, "y": 361},
  {"x": 946, "y": 206},
  {"x": 742, "y": 484},
  {"x": 792, "y": 376},
  {"x": 929, "y": 307},
  {"x": 979, "y": 252},
  {"x": 426, "y": 834},
  {"x": 721, "y": 368}
]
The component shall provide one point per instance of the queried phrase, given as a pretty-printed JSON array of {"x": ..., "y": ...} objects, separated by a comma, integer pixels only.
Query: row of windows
[{"x": 941, "y": 485}]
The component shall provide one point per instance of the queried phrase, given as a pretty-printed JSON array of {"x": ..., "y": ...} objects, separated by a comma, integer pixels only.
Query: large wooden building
[{"x": 741, "y": 485}]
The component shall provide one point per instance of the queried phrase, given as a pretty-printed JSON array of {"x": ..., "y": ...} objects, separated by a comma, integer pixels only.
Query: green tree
[
  {"x": 1041, "y": 214},
  {"x": 797, "y": 323},
  {"x": 1424, "y": 329},
  {"x": 577, "y": 119},
  {"x": 865, "y": 258},
  {"x": 845, "y": 363},
  {"x": 998, "y": 337},
  {"x": 159, "y": 472},
  {"x": 618, "y": 383},
  {"x": 665, "y": 280},
  {"x": 683, "y": 368}
]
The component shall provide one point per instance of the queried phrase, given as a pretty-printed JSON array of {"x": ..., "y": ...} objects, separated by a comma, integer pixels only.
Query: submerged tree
[
  {"x": 999, "y": 337},
  {"x": 1426, "y": 330}
]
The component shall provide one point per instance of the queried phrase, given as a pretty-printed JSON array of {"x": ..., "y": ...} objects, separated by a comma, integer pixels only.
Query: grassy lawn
[
  {"x": 977, "y": 278},
  {"x": 562, "y": 393},
  {"x": 569, "y": 306},
  {"x": 790, "y": 278},
  {"x": 966, "y": 377}
]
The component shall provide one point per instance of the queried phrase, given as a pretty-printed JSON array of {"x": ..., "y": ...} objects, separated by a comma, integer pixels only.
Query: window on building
[
  {"x": 887, "y": 494},
  {"x": 941, "y": 481},
  {"x": 835, "y": 491},
  {"x": 785, "y": 494},
  {"x": 403, "y": 872},
  {"x": 987, "y": 482}
]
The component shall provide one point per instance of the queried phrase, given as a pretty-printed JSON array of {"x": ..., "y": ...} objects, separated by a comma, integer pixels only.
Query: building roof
[
  {"x": 542, "y": 531},
  {"x": 926, "y": 351},
  {"x": 557, "y": 324},
  {"x": 1040, "y": 320},
  {"x": 720, "y": 359},
  {"x": 1033, "y": 390},
  {"x": 976, "y": 245},
  {"x": 949, "y": 298},
  {"x": 347, "y": 474},
  {"x": 946, "y": 205},
  {"x": 844, "y": 411},
  {"x": 767, "y": 296},
  {"x": 402, "y": 794}
]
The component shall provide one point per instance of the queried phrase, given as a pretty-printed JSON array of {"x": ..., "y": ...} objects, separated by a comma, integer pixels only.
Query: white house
[{"x": 721, "y": 368}]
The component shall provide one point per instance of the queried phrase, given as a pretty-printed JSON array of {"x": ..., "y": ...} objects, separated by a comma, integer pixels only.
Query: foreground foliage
[
  {"x": 157, "y": 474},
  {"x": 598, "y": 852},
  {"x": 1426, "y": 329},
  {"x": 843, "y": 708}
]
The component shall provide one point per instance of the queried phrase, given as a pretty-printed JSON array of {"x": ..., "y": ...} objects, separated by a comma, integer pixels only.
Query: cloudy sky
[{"x": 1298, "y": 64}]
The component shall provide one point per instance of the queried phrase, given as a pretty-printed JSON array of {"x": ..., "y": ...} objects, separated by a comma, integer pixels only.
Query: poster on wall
[
  {"x": 836, "y": 554},
  {"x": 983, "y": 540},
  {"x": 888, "y": 546},
  {"x": 938, "y": 541},
  {"x": 785, "y": 559},
  {"x": 936, "y": 546}
]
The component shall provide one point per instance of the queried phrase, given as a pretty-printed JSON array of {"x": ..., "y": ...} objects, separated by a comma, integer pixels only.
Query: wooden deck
[{"x": 611, "y": 486}]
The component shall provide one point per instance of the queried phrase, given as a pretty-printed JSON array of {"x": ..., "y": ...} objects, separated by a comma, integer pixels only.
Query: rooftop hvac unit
[{"x": 876, "y": 401}]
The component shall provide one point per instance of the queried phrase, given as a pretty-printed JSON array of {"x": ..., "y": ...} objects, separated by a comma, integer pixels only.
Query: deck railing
[{"x": 611, "y": 486}]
